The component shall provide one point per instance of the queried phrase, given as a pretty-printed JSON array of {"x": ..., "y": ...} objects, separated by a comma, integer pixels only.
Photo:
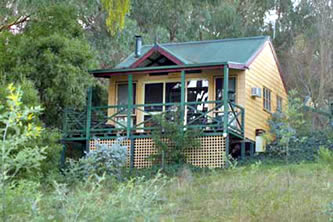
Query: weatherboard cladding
[{"x": 238, "y": 50}]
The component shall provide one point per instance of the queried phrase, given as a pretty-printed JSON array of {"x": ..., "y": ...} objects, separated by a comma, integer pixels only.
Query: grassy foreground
[
  {"x": 257, "y": 193},
  {"x": 254, "y": 193}
]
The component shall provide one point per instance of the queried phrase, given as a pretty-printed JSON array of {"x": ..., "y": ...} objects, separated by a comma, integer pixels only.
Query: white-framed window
[
  {"x": 278, "y": 103},
  {"x": 267, "y": 95}
]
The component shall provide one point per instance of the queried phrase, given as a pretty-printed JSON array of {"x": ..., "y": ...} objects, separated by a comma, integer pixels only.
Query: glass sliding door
[
  {"x": 197, "y": 92},
  {"x": 219, "y": 90},
  {"x": 160, "y": 93},
  {"x": 170, "y": 92}
]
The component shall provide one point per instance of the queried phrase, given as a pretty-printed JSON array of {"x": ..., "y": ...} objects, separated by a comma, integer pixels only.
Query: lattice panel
[
  {"x": 127, "y": 143},
  {"x": 144, "y": 148},
  {"x": 211, "y": 153}
]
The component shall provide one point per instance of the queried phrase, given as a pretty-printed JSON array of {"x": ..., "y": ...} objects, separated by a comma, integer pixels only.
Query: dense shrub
[
  {"x": 301, "y": 150},
  {"x": 48, "y": 137},
  {"x": 291, "y": 138},
  {"x": 18, "y": 128},
  {"x": 106, "y": 160},
  {"x": 89, "y": 200},
  {"x": 325, "y": 156},
  {"x": 52, "y": 53},
  {"x": 20, "y": 158}
]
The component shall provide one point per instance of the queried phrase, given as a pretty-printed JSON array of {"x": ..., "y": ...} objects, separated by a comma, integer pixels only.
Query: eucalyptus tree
[
  {"x": 169, "y": 15},
  {"x": 15, "y": 13},
  {"x": 54, "y": 55},
  {"x": 312, "y": 57}
]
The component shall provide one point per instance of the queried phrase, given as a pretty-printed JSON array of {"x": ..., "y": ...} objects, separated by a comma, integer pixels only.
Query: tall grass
[
  {"x": 255, "y": 193},
  {"x": 252, "y": 193}
]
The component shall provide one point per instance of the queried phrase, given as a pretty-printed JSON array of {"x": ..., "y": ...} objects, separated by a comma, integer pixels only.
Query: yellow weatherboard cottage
[{"x": 190, "y": 77}]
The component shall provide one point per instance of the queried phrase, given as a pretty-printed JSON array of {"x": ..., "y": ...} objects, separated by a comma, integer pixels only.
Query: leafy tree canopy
[{"x": 53, "y": 53}]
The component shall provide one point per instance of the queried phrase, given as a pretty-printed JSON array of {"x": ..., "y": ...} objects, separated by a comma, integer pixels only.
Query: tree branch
[{"x": 17, "y": 21}]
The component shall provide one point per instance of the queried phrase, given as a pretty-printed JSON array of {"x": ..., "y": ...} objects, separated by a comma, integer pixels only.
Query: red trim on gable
[
  {"x": 275, "y": 58},
  {"x": 161, "y": 51},
  {"x": 169, "y": 56},
  {"x": 143, "y": 58}
]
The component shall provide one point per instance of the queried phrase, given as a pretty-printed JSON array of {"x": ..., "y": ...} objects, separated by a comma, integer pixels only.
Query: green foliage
[
  {"x": 29, "y": 93},
  {"x": 19, "y": 158},
  {"x": 290, "y": 136},
  {"x": 112, "y": 49},
  {"x": 170, "y": 170},
  {"x": 49, "y": 166},
  {"x": 106, "y": 160},
  {"x": 22, "y": 199},
  {"x": 189, "y": 20},
  {"x": 49, "y": 137},
  {"x": 171, "y": 139},
  {"x": 116, "y": 10},
  {"x": 329, "y": 211},
  {"x": 232, "y": 195},
  {"x": 17, "y": 130},
  {"x": 14, "y": 13},
  {"x": 91, "y": 200},
  {"x": 325, "y": 156},
  {"x": 285, "y": 127},
  {"x": 53, "y": 53}
]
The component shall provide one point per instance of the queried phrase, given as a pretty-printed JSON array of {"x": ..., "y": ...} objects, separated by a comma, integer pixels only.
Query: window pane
[
  {"x": 172, "y": 92},
  {"x": 197, "y": 91},
  {"x": 122, "y": 94},
  {"x": 267, "y": 99},
  {"x": 219, "y": 89},
  {"x": 278, "y": 103},
  {"x": 153, "y": 95}
]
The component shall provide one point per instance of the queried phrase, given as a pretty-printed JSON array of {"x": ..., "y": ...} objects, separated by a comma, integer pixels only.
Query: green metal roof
[{"x": 237, "y": 50}]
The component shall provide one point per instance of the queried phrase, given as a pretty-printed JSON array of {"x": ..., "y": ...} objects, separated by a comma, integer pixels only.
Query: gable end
[
  {"x": 259, "y": 51},
  {"x": 160, "y": 50}
]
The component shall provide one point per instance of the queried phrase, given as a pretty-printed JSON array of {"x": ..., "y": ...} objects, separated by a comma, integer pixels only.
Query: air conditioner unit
[{"x": 256, "y": 92}]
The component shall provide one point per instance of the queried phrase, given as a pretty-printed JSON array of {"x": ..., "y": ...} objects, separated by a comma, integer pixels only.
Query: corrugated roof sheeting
[{"x": 238, "y": 50}]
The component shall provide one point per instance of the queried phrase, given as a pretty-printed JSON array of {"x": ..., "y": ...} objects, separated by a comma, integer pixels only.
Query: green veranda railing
[{"x": 112, "y": 121}]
